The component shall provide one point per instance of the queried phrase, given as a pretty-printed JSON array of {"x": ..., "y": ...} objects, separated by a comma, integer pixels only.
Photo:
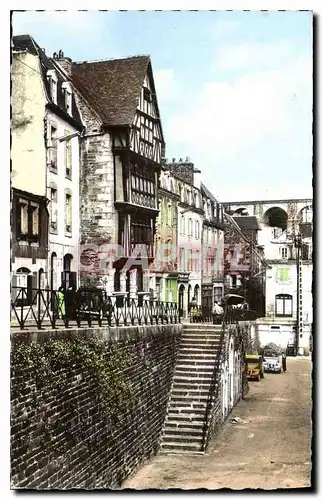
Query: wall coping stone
[{"x": 107, "y": 334}]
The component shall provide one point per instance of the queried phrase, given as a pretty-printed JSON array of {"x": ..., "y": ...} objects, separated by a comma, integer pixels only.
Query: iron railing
[
  {"x": 214, "y": 387},
  {"x": 230, "y": 316},
  {"x": 200, "y": 314},
  {"x": 49, "y": 308}
]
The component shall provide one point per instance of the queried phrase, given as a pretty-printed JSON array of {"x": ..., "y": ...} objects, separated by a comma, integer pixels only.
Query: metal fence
[
  {"x": 232, "y": 315},
  {"x": 51, "y": 308}
]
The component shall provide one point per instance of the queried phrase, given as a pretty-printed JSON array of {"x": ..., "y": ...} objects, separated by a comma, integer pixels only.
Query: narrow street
[{"x": 270, "y": 449}]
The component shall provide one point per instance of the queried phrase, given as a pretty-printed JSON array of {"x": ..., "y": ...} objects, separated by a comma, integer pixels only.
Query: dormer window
[
  {"x": 52, "y": 80},
  {"x": 147, "y": 94},
  {"x": 67, "y": 92}
]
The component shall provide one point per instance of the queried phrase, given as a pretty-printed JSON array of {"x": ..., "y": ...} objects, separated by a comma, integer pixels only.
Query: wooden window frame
[{"x": 284, "y": 297}]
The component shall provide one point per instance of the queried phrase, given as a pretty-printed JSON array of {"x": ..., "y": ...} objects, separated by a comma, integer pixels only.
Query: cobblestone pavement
[{"x": 272, "y": 450}]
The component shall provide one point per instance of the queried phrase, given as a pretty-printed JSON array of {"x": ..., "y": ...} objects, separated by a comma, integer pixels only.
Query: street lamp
[{"x": 298, "y": 246}]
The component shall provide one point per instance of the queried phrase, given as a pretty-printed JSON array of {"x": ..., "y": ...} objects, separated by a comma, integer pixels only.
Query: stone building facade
[
  {"x": 165, "y": 266},
  {"x": 285, "y": 237},
  {"x": 244, "y": 264},
  {"x": 45, "y": 159},
  {"x": 189, "y": 232},
  {"x": 121, "y": 154},
  {"x": 213, "y": 247}
]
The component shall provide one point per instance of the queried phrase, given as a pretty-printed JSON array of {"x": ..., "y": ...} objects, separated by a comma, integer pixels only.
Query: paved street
[{"x": 271, "y": 451}]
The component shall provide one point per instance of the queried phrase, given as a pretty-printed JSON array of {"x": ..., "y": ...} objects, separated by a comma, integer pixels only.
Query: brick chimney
[{"x": 64, "y": 62}]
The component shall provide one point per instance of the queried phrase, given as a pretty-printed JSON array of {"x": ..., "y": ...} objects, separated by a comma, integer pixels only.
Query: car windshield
[
  {"x": 270, "y": 355},
  {"x": 252, "y": 360}
]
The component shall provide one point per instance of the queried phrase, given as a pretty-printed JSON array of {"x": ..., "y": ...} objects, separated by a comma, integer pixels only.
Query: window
[
  {"x": 68, "y": 212},
  {"x": 67, "y": 93},
  {"x": 170, "y": 214},
  {"x": 283, "y": 275},
  {"x": 217, "y": 293},
  {"x": 197, "y": 229},
  {"x": 52, "y": 148},
  {"x": 24, "y": 219},
  {"x": 283, "y": 251},
  {"x": 182, "y": 224},
  {"x": 27, "y": 228},
  {"x": 24, "y": 287},
  {"x": 68, "y": 156},
  {"x": 233, "y": 281},
  {"x": 190, "y": 227},
  {"x": 53, "y": 208},
  {"x": 146, "y": 130},
  {"x": 182, "y": 259},
  {"x": 52, "y": 81},
  {"x": 147, "y": 101},
  {"x": 284, "y": 305}
]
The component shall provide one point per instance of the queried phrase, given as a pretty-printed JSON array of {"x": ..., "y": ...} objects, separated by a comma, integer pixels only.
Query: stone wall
[{"x": 61, "y": 438}]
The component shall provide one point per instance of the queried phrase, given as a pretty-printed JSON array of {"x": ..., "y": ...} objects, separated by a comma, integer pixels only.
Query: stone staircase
[{"x": 198, "y": 351}]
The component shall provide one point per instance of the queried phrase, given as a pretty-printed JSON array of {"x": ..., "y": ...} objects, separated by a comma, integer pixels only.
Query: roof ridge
[{"x": 112, "y": 59}]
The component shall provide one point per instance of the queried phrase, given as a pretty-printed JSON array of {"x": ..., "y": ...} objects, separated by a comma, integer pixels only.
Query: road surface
[{"x": 271, "y": 449}]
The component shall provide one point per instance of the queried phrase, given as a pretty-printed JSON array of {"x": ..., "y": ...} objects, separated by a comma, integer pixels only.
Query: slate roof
[
  {"x": 112, "y": 87},
  {"x": 207, "y": 193},
  {"x": 248, "y": 223},
  {"x": 26, "y": 43}
]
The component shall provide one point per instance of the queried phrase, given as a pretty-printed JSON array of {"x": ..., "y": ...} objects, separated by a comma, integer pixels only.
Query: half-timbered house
[{"x": 121, "y": 156}]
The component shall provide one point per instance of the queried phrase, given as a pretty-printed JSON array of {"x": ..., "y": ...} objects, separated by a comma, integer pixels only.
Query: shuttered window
[
  {"x": 68, "y": 211},
  {"x": 68, "y": 155}
]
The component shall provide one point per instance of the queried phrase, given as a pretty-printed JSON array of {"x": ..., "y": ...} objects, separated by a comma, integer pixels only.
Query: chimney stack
[{"x": 64, "y": 62}]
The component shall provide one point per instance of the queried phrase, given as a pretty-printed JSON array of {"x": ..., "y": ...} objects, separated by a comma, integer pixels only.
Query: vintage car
[
  {"x": 255, "y": 368},
  {"x": 273, "y": 361}
]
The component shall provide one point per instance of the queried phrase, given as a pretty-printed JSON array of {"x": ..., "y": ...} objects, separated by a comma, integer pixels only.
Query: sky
[{"x": 234, "y": 88}]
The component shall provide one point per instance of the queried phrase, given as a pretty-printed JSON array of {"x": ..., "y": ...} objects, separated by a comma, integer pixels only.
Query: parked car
[
  {"x": 255, "y": 367},
  {"x": 273, "y": 361}
]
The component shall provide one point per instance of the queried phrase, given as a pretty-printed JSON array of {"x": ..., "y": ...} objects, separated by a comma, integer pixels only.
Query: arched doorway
[
  {"x": 189, "y": 292},
  {"x": 197, "y": 293},
  {"x": 181, "y": 291},
  {"x": 25, "y": 282},
  {"x": 53, "y": 271},
  {"x": 41, "y": 279},
  {"x": 67, "y": 279}
]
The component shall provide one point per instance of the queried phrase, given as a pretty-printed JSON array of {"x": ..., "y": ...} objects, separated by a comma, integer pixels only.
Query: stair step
[
  {"x": 171, "y": 445},
  {"x": 190, "y": 386},
  {"x": 200, "y": 326},
  {"x": 185, "y": 402},
  {"x": 192, "y": 399},
  {"x": 183, "y": 431},
  {"x": 183, "y": 378},
  {"x": 188, "y": 393},
  {"x": 196, "y": 418},
  {"x": 196, "y": 356},
  {"x": 183, "y": 438},
  {"x": 179, "y": 424},
  {"x": 202, "y": 336},
  {"x": 187, "y": 369},
  {"x": 196, "y": 362},
  {"x": 184, "y": 409}
]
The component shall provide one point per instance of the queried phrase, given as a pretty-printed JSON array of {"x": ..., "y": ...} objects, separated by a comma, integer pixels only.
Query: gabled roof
[
  {"x": 207, "y": 193},
  {"x": 248, "y": 223},
  {"x": 112, "y": 87},
  {"x": 26, "y": 43}
]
